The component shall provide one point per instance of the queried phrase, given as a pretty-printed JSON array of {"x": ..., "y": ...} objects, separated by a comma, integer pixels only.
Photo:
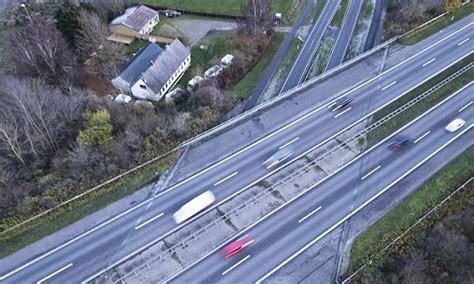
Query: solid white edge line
[
  {"x": 466, "y": 106},
  {"x": 235, "y": 265},
  {"x": 304, "y": 192},
  {"x": 226, "y": 178},
  {"x": 361, "y": 207},
  {"x": 55, "y": 273},
  {"x": 342, "y": 112},
  {"x": 310, "y": 214},
  {"x": 428, "y": 62},
  {"x": 463, "y": 42},
  {"x": 371, "y": 172},
  {"x": 421, "y": 137},
  {"x": 148, "y": 221},
  {"x": 292, "y": 141},
  {"x": 388, "y": 86}
]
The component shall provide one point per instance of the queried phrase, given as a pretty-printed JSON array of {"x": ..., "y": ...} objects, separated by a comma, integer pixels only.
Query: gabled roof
[
  {"x": 140, "y": 63},
  {"x": 165, "y": 65},
  {"x": 135, "y": 17}
]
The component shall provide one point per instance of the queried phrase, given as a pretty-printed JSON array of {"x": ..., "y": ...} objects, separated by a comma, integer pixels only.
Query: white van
[{"x": 194, "y": 206}]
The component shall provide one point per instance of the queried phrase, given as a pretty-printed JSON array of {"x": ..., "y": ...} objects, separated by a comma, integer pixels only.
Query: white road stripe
[
  {"x": 55, "y": 273},
  {"x": 428, "y": 62},
  {"x": 463, "y": 42},
  {"x": 341, "y": 113},
  {"x": 389, "y": 85},
  {"x": 466, "y": 106},
  {"x": 421, "y": 137},
  {"x": 294, "y": 140},
  {"x": 235, "y": 265},
  {"x": 226, "y": 178},
  {"x": 309, "y": 215},
  {"x": 371, "y": 172},
  {"x": 149, "y": 221},
  {"x": 360, "y": 207}
]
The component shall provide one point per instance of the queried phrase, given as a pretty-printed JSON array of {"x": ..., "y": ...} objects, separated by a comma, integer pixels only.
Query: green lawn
[
  {"x": 315, "y": 12},
  {"x": 440, "y": 24},
  {"x": 225, "y": 7},
  {"x": 339, "y": 16},
  {"x": 385, "y": 230},
  {"x": 247, "y": 84},
  {"x": 395, "y": 123},
  {"x": 58, "y": 219}
]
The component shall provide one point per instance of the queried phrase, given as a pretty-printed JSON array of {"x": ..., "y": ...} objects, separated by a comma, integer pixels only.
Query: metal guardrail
[
  {"x": 350, "y": 277},
  {"x": 292, "y": 177}
]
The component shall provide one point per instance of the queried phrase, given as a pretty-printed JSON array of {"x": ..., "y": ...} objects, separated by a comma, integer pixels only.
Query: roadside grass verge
[
  {"x": 57, "y": 219},
  {"x": 314, "y": 13},
  {"x": 393, "y": 124},
  {"x": 244, "y": 87},
  {"x": 279, "y": 76},
  {"x": 439, "y": 24},
  {"x": 321, "y": 59},
  {"x": 339, "y": 16},
  {"x": 361, "y": 30},
  {"x": 400, "y": 218}
]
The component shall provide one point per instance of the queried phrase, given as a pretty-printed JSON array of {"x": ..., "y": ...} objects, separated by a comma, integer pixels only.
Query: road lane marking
[
  {"x": 247, "y": 229},
  {"x": 341, "y": 113},
  {"x": 466, "y": 106},
  {"x": 421, "y": 137},
  {"x": 428, "y": 62},
  {"x": 463, "y": 42},
  {"x": 294, "y": 140},
  {"x": 389, "y": 85},
  {"x": 360, "y": 207},
  {"x": 148, "y": 221},
  {"x": 235, "y": 265},
  {"x": 55, "y": 273},
  {"x": 226, "y": 178},
  {"x": 310, "y": 214},
  {"x": 371, "y": 172}
]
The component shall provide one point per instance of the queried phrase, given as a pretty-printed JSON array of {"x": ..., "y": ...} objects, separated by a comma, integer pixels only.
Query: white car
[
  {"x": 196, "y": 205},
  {"x": 455, "y": 125}
]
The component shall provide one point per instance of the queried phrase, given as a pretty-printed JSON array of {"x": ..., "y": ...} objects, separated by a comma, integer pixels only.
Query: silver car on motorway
[{"x": 279, "y": 157}]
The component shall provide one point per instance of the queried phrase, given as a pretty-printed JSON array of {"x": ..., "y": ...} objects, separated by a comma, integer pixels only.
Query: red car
[{"x": 237, "y": 246}]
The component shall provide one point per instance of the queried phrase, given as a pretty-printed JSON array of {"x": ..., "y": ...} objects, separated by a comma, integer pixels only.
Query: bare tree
[
  {"x": 34, "y": 118},
  {"x": 104, "y": 57},
  {"x": 39, "y": 50},
  {"x": 109, "y": 8},
  {"x": 256, "y": 17}
]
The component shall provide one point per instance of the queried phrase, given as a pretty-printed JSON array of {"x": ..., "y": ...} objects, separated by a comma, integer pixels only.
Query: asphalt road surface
[
  {"x": 101, "y": 246},
  {"x": 286, "y": 233},
  {"x": 304, "y": 59},
  {"x": 345, "y": 34}
]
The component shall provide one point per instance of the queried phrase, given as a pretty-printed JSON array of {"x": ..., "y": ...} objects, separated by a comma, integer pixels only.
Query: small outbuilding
[{"x": 227, "y": 60}]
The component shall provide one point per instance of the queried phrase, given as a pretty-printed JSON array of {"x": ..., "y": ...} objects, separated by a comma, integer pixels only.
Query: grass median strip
[
  {"x": 321, "y": 58},
  {"x": 439, "y": 24},
  {"x": 384, "y": 130},
  {"x": 379, "y": 235},
  {"x": 315, "y": 12},
  {"x": 339, "y": 16}
]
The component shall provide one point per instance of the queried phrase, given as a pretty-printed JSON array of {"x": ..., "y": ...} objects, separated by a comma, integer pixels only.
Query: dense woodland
[{"x": 57, "y": 136}]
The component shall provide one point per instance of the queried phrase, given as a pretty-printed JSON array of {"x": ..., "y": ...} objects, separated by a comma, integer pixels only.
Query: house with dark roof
[
  {"x": 135, "y": 22},
  {"x": 154, "y": 71}
]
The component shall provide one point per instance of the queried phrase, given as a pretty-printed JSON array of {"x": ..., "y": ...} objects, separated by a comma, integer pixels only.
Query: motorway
[
  {"x": 304, "y": 59},
  {"x": 108, "y": 242},
  {"x": 289, "y": 231},
  {"x": 345, "y": 34}
]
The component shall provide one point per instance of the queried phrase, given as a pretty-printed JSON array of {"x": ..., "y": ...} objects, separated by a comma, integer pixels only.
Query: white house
[
  {"x": 154, "y": 71},
  {"x": 135, "y": 22}
]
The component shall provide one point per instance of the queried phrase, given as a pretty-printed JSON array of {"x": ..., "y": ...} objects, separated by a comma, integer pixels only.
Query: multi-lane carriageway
[{"x": 101, "y": 246}]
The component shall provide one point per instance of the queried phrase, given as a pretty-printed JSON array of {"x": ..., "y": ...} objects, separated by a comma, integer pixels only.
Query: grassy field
[
  {"x": 58, "y": 219},
  {"x": 315, "y": 12},
  {"x": 279, "y": 76},
  {"x": 361, "y": 30},
  {"x": 409, "y": 114},
  {"x": 339, "y": 16},
  {"x": 377, "y": 236},
  {"x": 225, "y": 7},
  {"x": 442, "y": 23},
  {"x": 321, "y": 59},
  {"x": 247, "y": 84}
]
